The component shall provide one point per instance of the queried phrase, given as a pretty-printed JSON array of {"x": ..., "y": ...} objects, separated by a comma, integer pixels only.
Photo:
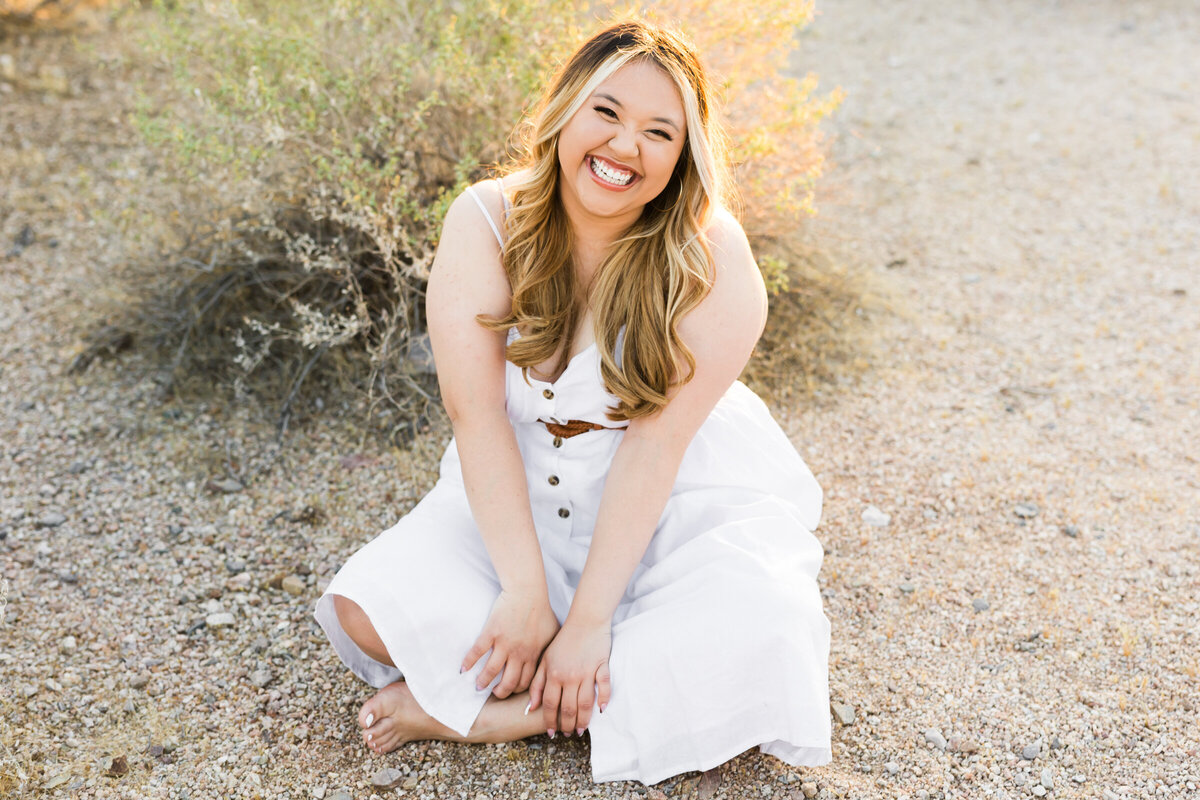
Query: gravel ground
[{"x": 1013, "y": 569}]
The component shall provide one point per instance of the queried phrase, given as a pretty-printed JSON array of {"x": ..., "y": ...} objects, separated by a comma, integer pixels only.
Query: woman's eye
[
  {"x": 662, "y": 134},
  {"x": 606, "y": 111}
]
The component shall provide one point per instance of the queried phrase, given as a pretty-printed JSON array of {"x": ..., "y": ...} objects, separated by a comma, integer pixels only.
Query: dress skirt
[{"x": 719, "y": 643}]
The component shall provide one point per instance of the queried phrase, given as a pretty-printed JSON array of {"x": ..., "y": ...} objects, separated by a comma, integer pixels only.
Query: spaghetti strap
[{"x": 491, "y": 223}]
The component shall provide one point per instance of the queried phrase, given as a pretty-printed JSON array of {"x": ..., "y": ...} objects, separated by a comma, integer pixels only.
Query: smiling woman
[{"x": 621, "y": 540}]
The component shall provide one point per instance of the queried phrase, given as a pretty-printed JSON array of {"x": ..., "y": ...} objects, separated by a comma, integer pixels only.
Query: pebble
[
  {"x": 876, "y": 518},
  {"x": 222, "y": 619},
  {"x": 934, "y": 737},
  {"x": 410, "y": 783},
  {"x": 892, "y": 767},
  {"x": 55, "y": 781},
  {"x": 1026, "y": 510},
  {"x": 1071, "y": 530},
  {"x": 235, "y": 565},
  {"x": 318, "y": 793},
  {"x": 341, "y": 794},
  {"x": 809, "y": 789},
  {"x": 1109, "y": 794},
  {"x": 907, "y": 588},
  {"x": 979, "y": 604},
  {"x": 843, "y": 712},
  {"x": 1039, "y": 790},
  {"x": 67, "y": 645},
  {"x": 28, "y": 690},
  {"x": 261, "y": 677},
  {"x": 1031, "y": 751},
  {"x": 140, "y": 680},
  {"x": 387, "y": 778},
  {"x": 1048, "y": 778},
  {"x": 226, "y": 485},
  {"x": 51, "y": 520},
  {"x": 294, "y": 585}
]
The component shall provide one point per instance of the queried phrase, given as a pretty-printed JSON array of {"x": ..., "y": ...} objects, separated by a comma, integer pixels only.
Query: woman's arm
[
  {"x": 721, "y": 333},
  {"x": 466, "y": 280}
]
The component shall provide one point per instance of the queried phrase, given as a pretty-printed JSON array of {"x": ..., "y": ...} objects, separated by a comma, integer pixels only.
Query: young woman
[{"x": 620, "y": 541}]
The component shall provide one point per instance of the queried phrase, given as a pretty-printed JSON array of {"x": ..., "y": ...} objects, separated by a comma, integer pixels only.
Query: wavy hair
[{"x": 656, "y": 272}]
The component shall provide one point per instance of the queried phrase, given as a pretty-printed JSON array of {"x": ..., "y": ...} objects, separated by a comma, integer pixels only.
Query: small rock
[
  {"x": 907, "y": 588},
  {"x": 261, "y": 677},
  {"x": 54, "y": 781},
  {"x": 387, "y": 778},
  {"x": 341, "y": 794},
  {"x": 965, "y": 746},
  {"x": 1038, "y": 790},
  {"x": 51, "y": 520},
  {"x": 1056, "y": 743},
  {"x": 809, "y": 789},
  {"x": 67, "y": 645},
  {"x": 979, "y": 604},
  {"x": 1048, "y": 778},
  {"x": 235, "y": 565},
  {"x": 225, "y": 485},
  {"x": 28, "y": 691},
  {"x": 116, "y": 767},
  {"x": 843, "y": 712},
  {"x": 8, "y": 67},
  {"x": 1109, "y": 794},
  {"x": 222, "y": 619},
  {"x": 77, "y": 468},
  {"x": 1071, "y": 530},
  {"x": 1026, "y": 510},
  {"x": 934, "y": 737},
  {"x": 1079, "y": 777},
  {"x": 410, "y": 783},
  {"x": 892, "y": 767},
  {"x": 293, "y": 585},
  {"x": 260, "y": 644},
  {"x": 140, "y": 680},
  {"x": 318, "y": 793},
  {"x": 1031, "y": 751},
  {"x": 876, "y": 518}
]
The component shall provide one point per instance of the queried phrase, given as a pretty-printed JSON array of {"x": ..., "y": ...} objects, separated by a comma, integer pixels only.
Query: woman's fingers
[
  {"x": 568, "y": 705},
  {"x": 481, "y": 646},
  {"x": 511, "y": 680},
  {"x": 526, "y": 677},
  {"x": 491, "y": 669},
  {"x": 583, "y": 703},
  {"x": 535, "y": 689},
  {"x": 551, "y": 695},
  {"x": 603, "y": 687}
]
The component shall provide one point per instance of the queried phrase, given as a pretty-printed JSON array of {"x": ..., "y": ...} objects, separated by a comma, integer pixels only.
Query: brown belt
[{"x": 573, "y": 427}]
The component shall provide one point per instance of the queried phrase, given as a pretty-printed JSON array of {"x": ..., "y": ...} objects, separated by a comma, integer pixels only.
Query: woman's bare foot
[{"x": 392, "y": 718}]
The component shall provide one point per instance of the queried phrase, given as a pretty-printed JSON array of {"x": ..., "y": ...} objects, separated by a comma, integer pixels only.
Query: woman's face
[{"x": 618, "y": 152}]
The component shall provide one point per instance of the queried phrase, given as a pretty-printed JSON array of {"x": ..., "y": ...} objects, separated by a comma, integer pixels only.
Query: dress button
[
  {"x": 546, "y": 393},
  {"x": 564, "y": 513},
  {"x": 553, "y": 479},
  {"x": 558, "y": 441}
]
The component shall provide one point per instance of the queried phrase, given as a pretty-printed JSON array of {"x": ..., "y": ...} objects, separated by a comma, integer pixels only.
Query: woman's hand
[
  {"x": 517, "y": 631},
  {"x": 573, "y": 672}
]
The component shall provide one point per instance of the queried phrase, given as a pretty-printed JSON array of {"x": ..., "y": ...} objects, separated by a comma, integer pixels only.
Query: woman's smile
[{"x": 611, "y": 175}]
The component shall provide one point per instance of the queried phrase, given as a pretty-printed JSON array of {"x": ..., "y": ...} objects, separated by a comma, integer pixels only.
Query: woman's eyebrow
[{"x": 617, "y": 103}]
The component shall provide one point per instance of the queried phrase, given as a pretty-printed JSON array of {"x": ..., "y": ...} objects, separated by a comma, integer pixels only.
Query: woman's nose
[{"x": 624, "y": 142}]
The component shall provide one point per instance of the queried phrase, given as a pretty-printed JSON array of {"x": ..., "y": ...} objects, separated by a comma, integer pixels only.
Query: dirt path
[{"x": 1017, "y": 176}]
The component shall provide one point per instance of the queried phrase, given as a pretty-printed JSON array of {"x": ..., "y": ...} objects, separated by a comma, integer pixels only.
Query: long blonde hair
[{"x": 655, "y": 273}]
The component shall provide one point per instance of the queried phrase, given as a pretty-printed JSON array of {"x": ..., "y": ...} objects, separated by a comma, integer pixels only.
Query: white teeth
[{"x": 619, "y": 177}]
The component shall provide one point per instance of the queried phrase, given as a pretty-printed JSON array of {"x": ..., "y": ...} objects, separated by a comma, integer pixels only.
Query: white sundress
[{"x": 719, "y": 643}]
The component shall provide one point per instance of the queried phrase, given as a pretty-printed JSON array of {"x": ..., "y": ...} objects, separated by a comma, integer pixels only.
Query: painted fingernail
[
  {"x": 370, "y": 736},
  {"x": 579, "y": 731},
  {"x": 370, "y": 719},
  {"x": 527, "y": 707},
  {"x": 550, "y": 732},
  {"x": 602, "y": 707}
]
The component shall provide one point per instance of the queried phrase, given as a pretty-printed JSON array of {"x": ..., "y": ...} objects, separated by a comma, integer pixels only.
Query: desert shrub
[{"x": 317, "y": 146}]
